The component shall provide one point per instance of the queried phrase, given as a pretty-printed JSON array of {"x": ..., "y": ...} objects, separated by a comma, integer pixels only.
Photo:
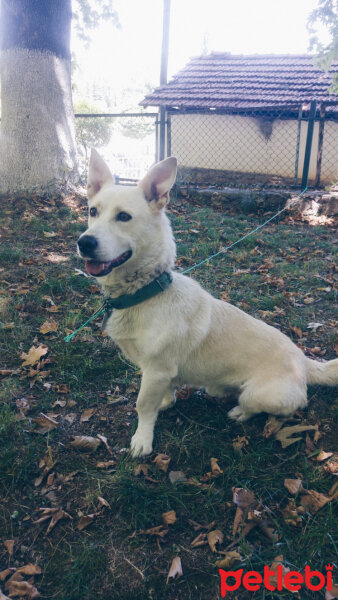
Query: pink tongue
[{"x": 94, "y": 267}]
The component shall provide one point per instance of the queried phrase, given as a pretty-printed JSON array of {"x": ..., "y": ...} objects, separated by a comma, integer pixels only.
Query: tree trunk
[{"x": 37, "y": 134}]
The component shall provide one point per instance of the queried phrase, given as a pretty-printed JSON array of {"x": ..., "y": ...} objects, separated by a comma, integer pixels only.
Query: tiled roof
[{"x": 225, "y": 81}]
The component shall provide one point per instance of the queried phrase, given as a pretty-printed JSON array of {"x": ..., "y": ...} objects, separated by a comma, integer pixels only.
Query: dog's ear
[
  {"x": 158, "y": 181},
  {"x": 98, "y": 174}
]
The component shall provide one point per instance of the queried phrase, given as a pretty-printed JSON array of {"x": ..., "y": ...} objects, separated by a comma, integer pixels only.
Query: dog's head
[{"x": 124, "y": 222}]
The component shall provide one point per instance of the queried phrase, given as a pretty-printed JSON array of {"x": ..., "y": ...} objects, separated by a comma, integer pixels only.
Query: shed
[{"x": 244, "y": 119}]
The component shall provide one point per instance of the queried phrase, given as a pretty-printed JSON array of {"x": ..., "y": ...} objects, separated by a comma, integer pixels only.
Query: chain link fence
[
  {"x": 127, "y": 141},
  {"x": 255, "y": 148}
]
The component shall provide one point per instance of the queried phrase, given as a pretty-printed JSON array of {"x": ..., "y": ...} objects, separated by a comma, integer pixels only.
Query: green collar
[{"x": 153, "y": 288}]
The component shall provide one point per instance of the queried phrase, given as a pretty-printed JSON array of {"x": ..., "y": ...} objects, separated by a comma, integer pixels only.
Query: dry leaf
[
  {"x": 308, "y": 300},
  {"x": 141, "y": 468},
  {"x": 293, "y": 485},
  {"x": 296, "y": 330},
  {"x": 177, "y": 477},
  {"x": 48, "y": 327},
  {"x": 278, "y": 560},
  {"x": 22, "y": 588},
  {"x": 175, "y": 569},
  {"x": 284, "y": 435},
  {"x": 324, "y": 455},
  {"x": 200, "y": 540},
  {"x": 57, "y": 516},
  {"x": 87, "y": 414},
  {"x": 9, "y": 544},
  {"x": 215, "y": 468},
  {"x": 313, "y": 501},
  {"x": 45, "y": 424},
  {"x": 291, "y": 514},
  {"x": 162, "y": 462},
  {"x": 85, "y": 521},
  {"x": 105, "y": 464},
  {"x": 272, "y": 426},
  {"x": 29, "y": 569},
  {"x": 159, "y": 530},
  {"x": 105, "y": 442},
  {"x": 239, "y": 442},
  {"x": 215, "y": 537},
  {"x": 34, "y": 354},
  {"x": 103, "y": 502},
  {"x": 62, "y": 388},
  {"x": 4, "y": 574},
  {"x": 85, "y": 443},
  {"x": 169, "y": 518},
  {"x": 332, "y": 466},
  {"x": 229, "y": 559},
  {"x": 243, "y": 498},
  {"x": 329, "y": 595}
]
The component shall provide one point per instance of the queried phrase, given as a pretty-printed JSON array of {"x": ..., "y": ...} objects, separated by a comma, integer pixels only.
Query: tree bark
[{"x": 37, "y": 134}]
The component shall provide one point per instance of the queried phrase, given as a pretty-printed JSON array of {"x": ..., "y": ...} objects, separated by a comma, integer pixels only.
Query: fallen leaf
[
  {"x": 169, "y": 518},
  {"x": 162, "y": 462},
  {"x": 239, "y": 442},
  {"x": 324, "y": 455},
  {"x": 278, "y": 560},
  {"x": 22, "y": 588},
  {"x": 243, "y": 498},
  {"x": 175, "y": 569},
  {"x": 105, "y": 442},
  {"x": 314, "y": 326},
  {"x": 103, "y": 502},
  {"x": 284, "y": 435},
  {"x": 85, "y": 521},
  {"x": 48, "y": 327},
  {"x": 291, "y": 514},
  {"x": 4, "y": 574},
  {"x": 85, "y": 443},
  {"x": 62, "y": 388},
  {"x": 332, "y": 466},
  {"x": 330, "y": 595},
  {"x": 29, "y": 569},
  {"x": 296, "y": 330},
  {"x": 87, "y": 414},
  {"x": 141, "y": 468},
  {"x": 61, "y": 403},
  {"x": 200, "y": 540},
  {"x": 159, "y": 530},
  {"x": 293, "y": 485},
  {"x": 313, "y": 501},
  {"x": 229, "y": 559},
  {"x": 34, "y": 355},
  {"x": 105, "y": 464},
  {"x": 215, "y": 468},
  {"x": 56, "y": 517},
  {"x": 45, "y": 424},
  {"x": 214, "y": 537},
  {"x": 271, "y": 426},
  {"x": 9, "y": 545},
  {"x": 177, "y": 477}
]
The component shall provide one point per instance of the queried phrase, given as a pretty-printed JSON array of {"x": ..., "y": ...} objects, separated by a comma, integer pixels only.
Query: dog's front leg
[{"x": 155, "y": 385}]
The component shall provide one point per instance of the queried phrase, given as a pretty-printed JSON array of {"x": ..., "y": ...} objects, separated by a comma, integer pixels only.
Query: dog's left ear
[{"x": 158, "y": 182}]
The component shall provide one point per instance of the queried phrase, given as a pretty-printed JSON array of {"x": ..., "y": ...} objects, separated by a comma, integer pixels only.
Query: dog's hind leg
[
  {"x": 275, "y": 397},
  {"x": 155, "y": 386}
]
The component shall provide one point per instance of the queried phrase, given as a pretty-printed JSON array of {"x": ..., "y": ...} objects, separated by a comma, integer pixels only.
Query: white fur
[{"x": 184, "y": 335}]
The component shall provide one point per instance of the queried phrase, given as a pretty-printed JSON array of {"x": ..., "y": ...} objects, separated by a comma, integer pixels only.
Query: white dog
[{"x": 168, "y": 325}]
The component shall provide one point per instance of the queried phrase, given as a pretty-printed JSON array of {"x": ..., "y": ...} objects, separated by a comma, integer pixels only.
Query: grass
[{"x": 270, "y": 276}]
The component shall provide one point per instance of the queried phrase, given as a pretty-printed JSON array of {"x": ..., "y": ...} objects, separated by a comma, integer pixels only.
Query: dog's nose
[{"x": 87, "y": 245}]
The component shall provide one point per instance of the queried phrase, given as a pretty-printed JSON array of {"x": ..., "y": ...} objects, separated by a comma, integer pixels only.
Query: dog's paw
[
  {"x": 140, "y": 446},
  {"x": 237, "y": 414}
]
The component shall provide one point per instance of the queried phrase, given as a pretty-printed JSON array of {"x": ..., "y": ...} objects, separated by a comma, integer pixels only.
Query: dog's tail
[{"x": 322, "y": 372}]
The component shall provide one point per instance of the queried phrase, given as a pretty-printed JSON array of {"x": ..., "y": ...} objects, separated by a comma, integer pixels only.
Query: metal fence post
[
  {"x": 320, "y": 144},
  {"x": 308, "y": 147},
  {"x": 164, "y": 72}
]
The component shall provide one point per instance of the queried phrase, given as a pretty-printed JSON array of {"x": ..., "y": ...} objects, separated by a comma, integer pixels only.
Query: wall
[{"x": 249, "y": 145}]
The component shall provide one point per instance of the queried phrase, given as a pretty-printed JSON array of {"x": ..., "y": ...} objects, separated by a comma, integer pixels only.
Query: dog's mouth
[{"x": 99, "y": 269}]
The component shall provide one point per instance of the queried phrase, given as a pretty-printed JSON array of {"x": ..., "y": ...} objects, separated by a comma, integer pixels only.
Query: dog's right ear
[{"x": 98, "y": 174}]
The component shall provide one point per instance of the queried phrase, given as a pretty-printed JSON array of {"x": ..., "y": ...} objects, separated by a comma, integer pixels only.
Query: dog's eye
[
  {"x": 123, "y": 216},
  {"x": 93, "y": 211}
]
